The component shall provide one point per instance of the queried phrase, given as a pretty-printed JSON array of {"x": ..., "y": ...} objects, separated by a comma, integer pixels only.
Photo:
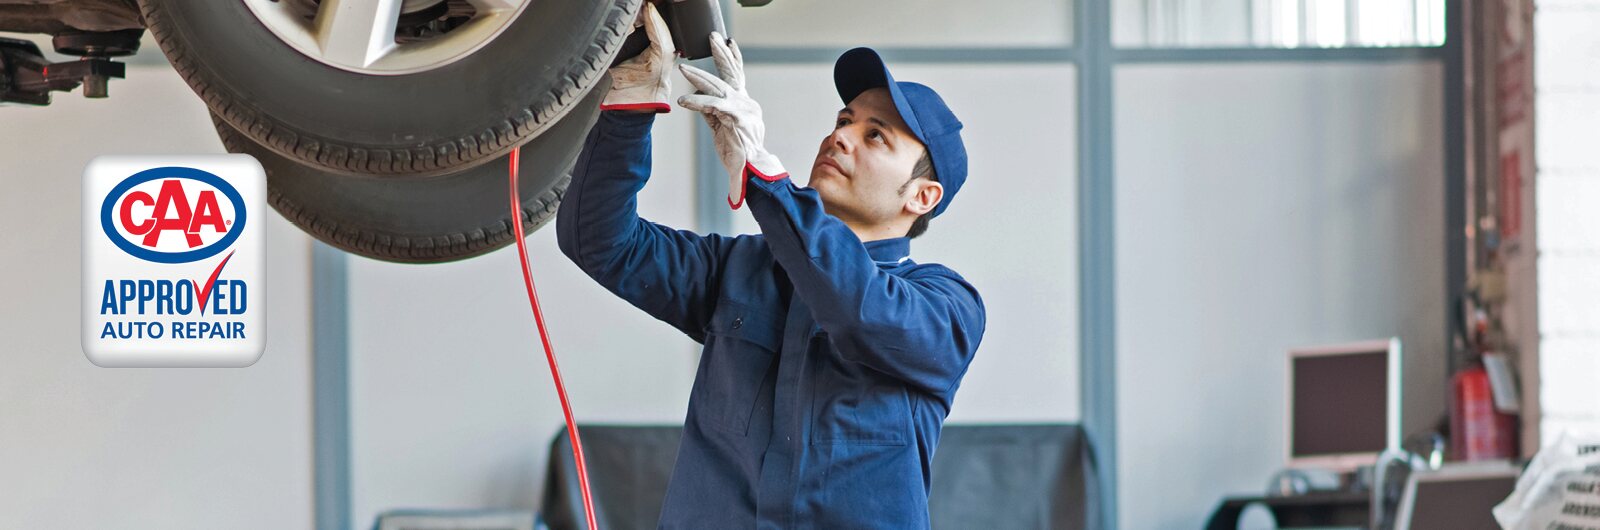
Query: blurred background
[{"x": 1166, "y": 196}]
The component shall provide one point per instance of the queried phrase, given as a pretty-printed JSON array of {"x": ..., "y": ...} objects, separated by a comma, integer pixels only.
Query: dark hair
[{"x": 922, "y": 169}]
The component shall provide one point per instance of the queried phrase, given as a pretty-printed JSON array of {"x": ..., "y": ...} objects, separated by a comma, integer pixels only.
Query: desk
[{"x": 1316, "y": 509}]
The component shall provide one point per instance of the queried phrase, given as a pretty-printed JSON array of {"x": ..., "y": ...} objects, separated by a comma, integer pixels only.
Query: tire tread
[{"x": 491, "y": 141}]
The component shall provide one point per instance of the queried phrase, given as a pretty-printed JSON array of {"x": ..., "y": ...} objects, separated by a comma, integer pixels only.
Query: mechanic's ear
[{"x": 925, "y": 196}]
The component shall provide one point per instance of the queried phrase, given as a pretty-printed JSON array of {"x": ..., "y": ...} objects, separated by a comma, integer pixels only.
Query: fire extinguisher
[{"x": 1478, "y": 431}]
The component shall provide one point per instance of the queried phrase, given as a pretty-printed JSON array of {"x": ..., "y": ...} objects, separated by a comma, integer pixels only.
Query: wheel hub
[{"x": 386, "y": 37}]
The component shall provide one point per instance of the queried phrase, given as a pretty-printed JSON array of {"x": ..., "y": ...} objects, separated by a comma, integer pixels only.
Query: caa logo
[
  {"x": 173, "y": 215},
  {"x": 174, "y": 267}
]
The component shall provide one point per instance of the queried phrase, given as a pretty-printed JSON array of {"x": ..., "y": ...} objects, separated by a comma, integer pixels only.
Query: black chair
[{"x": 994, "y": 477}]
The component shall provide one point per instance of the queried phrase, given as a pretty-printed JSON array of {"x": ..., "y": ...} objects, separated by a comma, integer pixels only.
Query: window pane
[
  {"x": 1278, "y": 23},
  {"x": 904, "y": 23}
]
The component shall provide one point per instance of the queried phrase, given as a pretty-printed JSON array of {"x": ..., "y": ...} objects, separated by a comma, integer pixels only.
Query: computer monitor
[
  {"x": 1455, "y": 497},
  {"x": 1344, "y": 404}
]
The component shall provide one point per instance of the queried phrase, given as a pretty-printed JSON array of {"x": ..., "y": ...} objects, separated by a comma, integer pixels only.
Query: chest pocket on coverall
[
  {"x": 741, "y": 346},
  {"x": 855, "y": 404}
]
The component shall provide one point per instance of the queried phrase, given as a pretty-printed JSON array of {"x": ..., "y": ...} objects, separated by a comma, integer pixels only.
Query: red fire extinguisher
[{"x": 1478, "y": 431}]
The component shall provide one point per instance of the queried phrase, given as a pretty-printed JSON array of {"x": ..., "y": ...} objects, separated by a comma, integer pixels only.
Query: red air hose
[{"x": 549, "y": 353}]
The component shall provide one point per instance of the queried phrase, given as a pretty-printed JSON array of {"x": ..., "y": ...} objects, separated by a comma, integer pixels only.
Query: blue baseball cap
[{"x": 922, "y": 109}]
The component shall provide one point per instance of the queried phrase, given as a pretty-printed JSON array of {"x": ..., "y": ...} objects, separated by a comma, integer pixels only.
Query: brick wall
[{"x": 1567, "y": 88}]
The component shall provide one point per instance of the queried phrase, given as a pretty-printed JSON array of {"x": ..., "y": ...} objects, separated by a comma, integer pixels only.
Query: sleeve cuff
[
  {"x": 625, "y": 124},
  {"x": 655, "y": 106},
  {"x": 750, "y": 169},
  {"x": 771, "y": 185}
]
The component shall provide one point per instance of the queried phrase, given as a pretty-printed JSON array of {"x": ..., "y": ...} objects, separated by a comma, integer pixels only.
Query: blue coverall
[{"x": 829, "y": 365}]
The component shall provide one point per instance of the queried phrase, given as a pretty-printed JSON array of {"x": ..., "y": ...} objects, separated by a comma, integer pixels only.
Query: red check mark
[{"x": 200, "y": 294}]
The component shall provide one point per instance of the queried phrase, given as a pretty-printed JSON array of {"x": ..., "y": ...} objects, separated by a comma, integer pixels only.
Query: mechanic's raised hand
[
  {"x": 642, "y": 82},
  {"x": 734, "y": 117}
]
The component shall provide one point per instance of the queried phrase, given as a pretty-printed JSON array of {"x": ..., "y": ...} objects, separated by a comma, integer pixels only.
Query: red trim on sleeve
[
  {"x": 657, "y": 106},
  {"x": 743, "y": 185},
  {"x": 744, "y": 181},
  {"x": 774, "y": 178}
]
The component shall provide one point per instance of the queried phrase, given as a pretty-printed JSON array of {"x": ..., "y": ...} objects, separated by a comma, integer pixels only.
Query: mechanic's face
[{"x": 862, "y": 168}]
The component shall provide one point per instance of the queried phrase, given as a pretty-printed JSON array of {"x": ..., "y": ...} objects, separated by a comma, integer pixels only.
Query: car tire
[
  {"x": 448, "y": 118},
  {"x": 424, "y": 219}
]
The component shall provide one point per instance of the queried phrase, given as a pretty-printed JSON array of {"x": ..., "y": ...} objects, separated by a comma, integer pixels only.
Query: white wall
[
  {"x": 1567, "y": 89},
  {"x": 89, "y": 447},
  {"x": 1259, "y": 207},
  {"x": 1011, "y": 232}
]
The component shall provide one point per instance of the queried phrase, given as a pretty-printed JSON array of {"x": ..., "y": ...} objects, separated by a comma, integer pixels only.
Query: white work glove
[
  {"x": 642, "y": 82},
  {"x": 735, "y": 119}
]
